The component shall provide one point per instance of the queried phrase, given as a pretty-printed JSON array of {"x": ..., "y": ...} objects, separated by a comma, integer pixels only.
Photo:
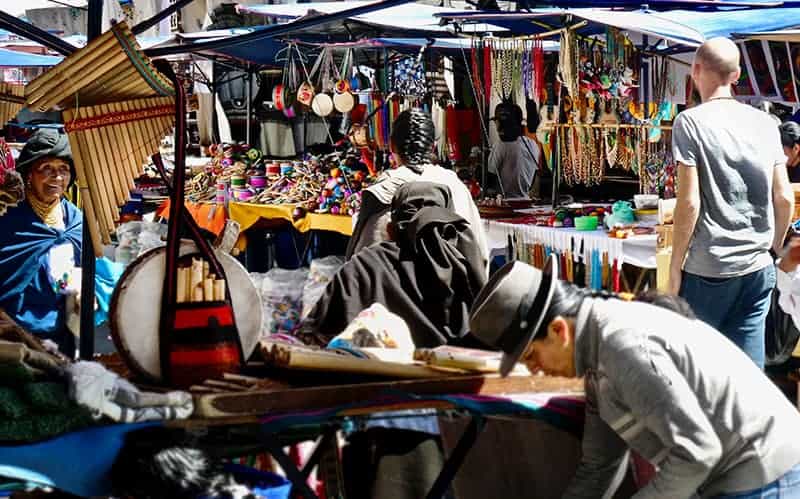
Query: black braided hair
[
  {"x": 567, "y": 299},
  {"x": 412, "y": 137}
]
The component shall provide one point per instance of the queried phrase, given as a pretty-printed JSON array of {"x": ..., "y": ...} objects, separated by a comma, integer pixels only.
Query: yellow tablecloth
[{"x": 248, "y": 214}]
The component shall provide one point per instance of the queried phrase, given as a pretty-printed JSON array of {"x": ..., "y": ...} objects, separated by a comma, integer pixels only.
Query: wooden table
[{"x": 364, "y": 399}]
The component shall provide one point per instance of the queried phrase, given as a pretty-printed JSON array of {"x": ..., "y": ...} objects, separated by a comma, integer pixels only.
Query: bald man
[{"x": 734, "y": 203}]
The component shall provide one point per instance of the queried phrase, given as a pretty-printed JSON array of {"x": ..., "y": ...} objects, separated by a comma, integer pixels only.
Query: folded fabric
[
  {"x": 104, "y": 393},
  {"x": 20, "y": 363},
  {"x": 36, "y": 411}
]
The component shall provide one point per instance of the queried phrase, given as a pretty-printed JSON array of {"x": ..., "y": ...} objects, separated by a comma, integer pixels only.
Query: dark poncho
[{"x": 429, "y": 275}]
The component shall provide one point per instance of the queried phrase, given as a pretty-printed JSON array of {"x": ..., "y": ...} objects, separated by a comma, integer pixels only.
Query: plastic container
[
  {"x": 273, "y": 169},
  {"x": 258, "y": 181},
  {"x": 586, "y": 223},
  {"x": 647, "y": 217},
  {"x": 238, "y": 181},
  {"x": 646, "y": 201},
  {"x": 286, "y": 168}
]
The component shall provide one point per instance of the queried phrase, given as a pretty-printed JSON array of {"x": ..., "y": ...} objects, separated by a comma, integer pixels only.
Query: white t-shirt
[{"x": 375, "y": 228}]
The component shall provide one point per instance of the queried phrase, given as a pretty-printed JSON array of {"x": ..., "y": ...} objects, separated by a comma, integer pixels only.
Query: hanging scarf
[{"x": 51, "y": 214}]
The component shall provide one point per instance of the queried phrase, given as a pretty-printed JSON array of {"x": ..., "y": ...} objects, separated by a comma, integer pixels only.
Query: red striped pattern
[{"x": 188, "y": 318}]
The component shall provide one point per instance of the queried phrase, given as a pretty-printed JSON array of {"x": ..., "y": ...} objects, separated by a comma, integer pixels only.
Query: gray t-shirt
[
  {"x": 735, "y": 148},
  {"x": 516, "y": 164}
]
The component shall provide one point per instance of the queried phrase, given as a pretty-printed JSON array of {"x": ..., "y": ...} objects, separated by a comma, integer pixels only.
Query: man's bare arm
[{"x": 687, "y": 210}]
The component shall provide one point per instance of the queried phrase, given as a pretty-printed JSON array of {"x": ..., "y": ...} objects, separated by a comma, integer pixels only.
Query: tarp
[
  {"x": 787, "y": 35},
  {"x": 415, "y": 43},
  {"x": 688, "y": 28},
  {"x": 409, "y": 17},
  {"x": 14, "y": 59},
  {"x": 659, "y": 4},
  {"x": 712, "y": 24}
]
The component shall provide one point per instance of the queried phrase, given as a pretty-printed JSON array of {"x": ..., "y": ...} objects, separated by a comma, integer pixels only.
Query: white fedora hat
[{"x": 509, "y": 310}]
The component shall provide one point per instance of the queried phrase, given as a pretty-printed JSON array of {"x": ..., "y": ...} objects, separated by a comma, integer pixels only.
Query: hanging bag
[
  {"x": 197, "y": 340},
  {"x": 343, "y": 99},
  {"x": 322, "y": 104}
]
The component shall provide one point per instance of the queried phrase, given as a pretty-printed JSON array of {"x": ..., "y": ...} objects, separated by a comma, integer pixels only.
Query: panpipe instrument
[
  {"x": 12, "y": 100},
  {"x": 116, "y": 109}
]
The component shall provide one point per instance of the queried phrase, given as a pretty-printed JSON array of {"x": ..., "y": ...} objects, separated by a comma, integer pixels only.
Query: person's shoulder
[
  {"x": 69, "y": 209},
  {"x": 437, "y": 173}
]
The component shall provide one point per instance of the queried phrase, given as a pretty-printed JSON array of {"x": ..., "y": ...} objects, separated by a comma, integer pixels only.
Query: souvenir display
[
  {"x": 408, "y": 76},
  {"x": 237, "y": 172}
]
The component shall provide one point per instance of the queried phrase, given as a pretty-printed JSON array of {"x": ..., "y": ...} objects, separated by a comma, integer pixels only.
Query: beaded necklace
[
  {"x": 527, "y": 72},
  {"x": 49, "y": 213}
]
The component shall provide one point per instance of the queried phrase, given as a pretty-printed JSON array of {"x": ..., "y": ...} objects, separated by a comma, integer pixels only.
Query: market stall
[{"x": 197, "y": 353}]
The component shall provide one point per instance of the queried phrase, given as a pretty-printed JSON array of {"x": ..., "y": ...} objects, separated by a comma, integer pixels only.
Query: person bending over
[{"x": 671, "y": 388}]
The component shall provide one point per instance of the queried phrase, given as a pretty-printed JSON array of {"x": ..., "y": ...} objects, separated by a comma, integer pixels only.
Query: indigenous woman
[
  {"x": 40, "y": 240},
  {"x": 412, "y": 141}
]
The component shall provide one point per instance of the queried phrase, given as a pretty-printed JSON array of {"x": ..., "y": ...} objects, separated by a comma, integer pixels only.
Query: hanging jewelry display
[
  {"x": 487, "y": 72},
  {"x": 568, "y": 62},
  {"x": 537, "y": 55},
  {"x": 408, "y": 76},
  {"x": 527, "y": 72}
]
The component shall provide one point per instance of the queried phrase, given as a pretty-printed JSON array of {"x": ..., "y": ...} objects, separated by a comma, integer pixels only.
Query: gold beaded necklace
[{"x": 50, "y": 213}]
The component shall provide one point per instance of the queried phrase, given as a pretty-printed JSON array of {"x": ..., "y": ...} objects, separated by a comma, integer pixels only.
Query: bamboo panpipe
[
  {"x": 195, "y": 283},
  {"x": 108, "y": 69},
  {"x": 12, "y": 99},
  {"x": 113, "y": 142}
]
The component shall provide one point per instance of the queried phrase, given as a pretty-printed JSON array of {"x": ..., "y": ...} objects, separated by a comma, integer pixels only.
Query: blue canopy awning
[
  {"x": 687, "y": 28},
  {"x": 14, "y": 59},
  {"x": 786, "y": 35},
  {"x": 409, "y": 17}
]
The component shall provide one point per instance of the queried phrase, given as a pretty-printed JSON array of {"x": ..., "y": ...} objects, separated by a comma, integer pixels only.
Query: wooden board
[
  {"x": 255, "y": 403},
  {"x": 303, "y": 358}
]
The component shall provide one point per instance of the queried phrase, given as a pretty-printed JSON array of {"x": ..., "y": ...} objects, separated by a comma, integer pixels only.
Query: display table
[
  {"x": 247, "y": 214},
  {"x": 635, "y": 255},
  {"x": 639, "y": 251},
  {"x": 209, "y": 216},
  {"x": 557, "y": 401}
]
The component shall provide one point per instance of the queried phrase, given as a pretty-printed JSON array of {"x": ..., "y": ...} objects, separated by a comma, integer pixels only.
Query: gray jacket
[{"x": 681, "y": 395}]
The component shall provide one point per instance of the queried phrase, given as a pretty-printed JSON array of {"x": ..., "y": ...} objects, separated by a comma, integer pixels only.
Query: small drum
[
  {"x": 344, "y": 102},
  {"x": 277, "y": 97},
  {"x": 305, "y": 94},
  {"x": 322, "y": 105},
  {"x": 341, "y": 87},
  {"x": 135, "y": 304}
]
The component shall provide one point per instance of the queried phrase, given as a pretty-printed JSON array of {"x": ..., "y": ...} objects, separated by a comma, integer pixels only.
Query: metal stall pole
[
  {"x": 215, "y": 135},
  {"x": 249, "y": 94},
  {"x": 645, "y": 76},
  {"x": 86, "y": 343}
]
